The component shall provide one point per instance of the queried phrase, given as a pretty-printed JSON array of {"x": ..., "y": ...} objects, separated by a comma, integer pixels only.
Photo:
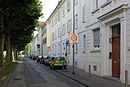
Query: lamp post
[{"x": 73, "y": 33}]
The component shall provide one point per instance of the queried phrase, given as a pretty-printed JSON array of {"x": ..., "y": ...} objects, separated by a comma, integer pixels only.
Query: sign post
[{"x": 73, "y": 40}]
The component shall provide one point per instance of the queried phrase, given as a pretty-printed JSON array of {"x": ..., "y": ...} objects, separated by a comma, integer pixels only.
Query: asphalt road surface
[{"x": 38, "y": 75}]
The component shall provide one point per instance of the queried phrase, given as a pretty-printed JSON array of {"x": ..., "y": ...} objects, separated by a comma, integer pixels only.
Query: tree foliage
[{"x": 20, "y": 20}]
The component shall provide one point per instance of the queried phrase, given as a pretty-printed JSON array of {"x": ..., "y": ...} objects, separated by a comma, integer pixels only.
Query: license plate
[{"x": 60, "y": 64}]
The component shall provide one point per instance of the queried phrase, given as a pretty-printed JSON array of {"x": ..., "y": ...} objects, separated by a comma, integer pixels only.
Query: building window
[
  {"x": 94, "y": 68},
  {"x": 52, "y": 23},
  {"x": 84, "y": 43},
  {"x": 59, "y": 50},
  {"x": 68, "y": 5},
  {"x": 76, "y": 2},
  {"x": 52, "y": 36},
  {"x": 69, "y": 49},
  {"x": 76, "y": 48},
  {"x": 59, "y": 16},
  {"x": 63, "y": 48},
  {"x": 96, "y": 4},
  {"x": 69, "y": 26},
  {"x": 55, "y": 34},
  {"x": 55, "y": 19},
  {"x": 59, "y": 33},
  {"x": 63, "y": 11},
  {"x": 55, "y": 49},
  {"x": 96, "y": 34},
  {"x": 76, "y": 21},
  {"x": 83, "y": 13},
  {"x": 107, "y": 0},
  {"x": 63, "y": 29}
]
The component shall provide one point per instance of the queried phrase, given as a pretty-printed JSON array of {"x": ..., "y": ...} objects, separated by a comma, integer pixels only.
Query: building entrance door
[{"x": 116, "y": 51}]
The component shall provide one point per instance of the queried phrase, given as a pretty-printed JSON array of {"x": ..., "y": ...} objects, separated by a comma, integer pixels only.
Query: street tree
[{"x": 18, "y": 19}]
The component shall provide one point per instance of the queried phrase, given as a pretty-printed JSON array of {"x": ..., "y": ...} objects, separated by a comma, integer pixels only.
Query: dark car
[
  {"x": 43, "y": 59},
  {"x": 39, "y": 58},
  {"x": 47, "y": 61},
  {"x": 34, "y": 58}
]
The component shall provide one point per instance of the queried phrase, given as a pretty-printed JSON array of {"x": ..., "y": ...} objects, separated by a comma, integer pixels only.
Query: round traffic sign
[{"x": 73, "y": 37}]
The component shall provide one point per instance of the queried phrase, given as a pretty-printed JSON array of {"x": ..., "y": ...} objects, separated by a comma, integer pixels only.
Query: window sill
[
  {"x": 96, "y": 50},
  {"x": 84, "y": 52},
  {"x": 128, "y": 48},
  {"x": 95, "y": 10},
  {"x": 83, "y": 21},
  {"x": 105, "y": 4}
]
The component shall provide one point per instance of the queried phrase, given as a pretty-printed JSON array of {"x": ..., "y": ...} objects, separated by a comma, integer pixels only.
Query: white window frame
[
  {"x": 63, "y": 29},
  {"x": 69, "y": 26},
  {"x": 56, "y": 35},
  {"x": 76, "y": 21},
  {"x": 76, "y": 48},
  {"x": 59, "y": 33},
  {"x": 55, "y": 50},
  {"x": 53, "y": 36},
  {"x": 59, "y": 16},
  {"x": 96, "y": 4},
  {"x": 76, "y": 2},
  {"x": 63, "y": 10},
  {"x": 84, "y": 43},
  {"x": 52, "y": 23},
  {"x": 94, "y": 46},
  {"x": 68, "y": 5},
  {"x": 83, "y": 14}
]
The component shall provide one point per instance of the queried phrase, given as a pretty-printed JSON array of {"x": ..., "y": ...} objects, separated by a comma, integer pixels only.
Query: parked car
[
  {"x": 43, "y": 59},
  {"x": 34, "y": 58},
  {"x": 47, "y": 61},
  {"x": 39, "y": 58},
  {"x": 58, "y": 62}
]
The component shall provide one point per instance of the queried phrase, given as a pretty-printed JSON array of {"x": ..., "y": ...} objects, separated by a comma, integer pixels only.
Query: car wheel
[
  {"x": 53, "y": 67},
  {"x": 50, "y": 67},
  {"x": 64, "y": 67}
]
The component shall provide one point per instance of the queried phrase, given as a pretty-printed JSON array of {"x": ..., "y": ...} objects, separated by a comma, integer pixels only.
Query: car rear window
[
  {"x": 60, "y": 58},
  {"x": 49, "y": 58}
]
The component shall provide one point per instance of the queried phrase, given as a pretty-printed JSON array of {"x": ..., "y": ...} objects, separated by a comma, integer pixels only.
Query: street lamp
[{"x": 73, "y": 33}]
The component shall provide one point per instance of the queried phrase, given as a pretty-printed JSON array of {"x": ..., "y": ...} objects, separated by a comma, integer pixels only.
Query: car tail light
[
  {"x": 54, "y": 62},
  {"x": 65, "y": 61}
]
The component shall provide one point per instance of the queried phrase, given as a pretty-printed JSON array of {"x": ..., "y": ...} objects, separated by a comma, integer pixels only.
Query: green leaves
[{"x": 20, "y": 18}]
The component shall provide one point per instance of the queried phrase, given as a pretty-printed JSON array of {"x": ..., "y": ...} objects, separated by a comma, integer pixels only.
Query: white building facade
[
  {"x": 34, "y": 49},
  {"x": 103, "y": 27}
]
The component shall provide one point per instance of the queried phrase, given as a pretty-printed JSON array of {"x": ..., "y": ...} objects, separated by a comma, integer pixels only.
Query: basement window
[{"x": 94, "y": 68}]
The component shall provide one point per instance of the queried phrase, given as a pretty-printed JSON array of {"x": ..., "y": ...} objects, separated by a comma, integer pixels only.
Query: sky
[{"x": 48, "y": 7}]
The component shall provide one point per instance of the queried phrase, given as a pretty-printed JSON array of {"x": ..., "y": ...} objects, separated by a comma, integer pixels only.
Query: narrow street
[{"x": 38, "y": 75}]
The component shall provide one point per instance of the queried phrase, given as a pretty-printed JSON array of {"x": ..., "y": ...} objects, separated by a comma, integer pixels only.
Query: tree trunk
[
  {"x": 11, "y": 58},
  {"x": 8, "y": 48},
  {"x": 1, "y": 50},
  {"x": 2, "y": 37}
]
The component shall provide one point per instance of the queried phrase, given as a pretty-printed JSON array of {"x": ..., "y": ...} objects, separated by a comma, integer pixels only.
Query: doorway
[{"x": 116, "y": 51}]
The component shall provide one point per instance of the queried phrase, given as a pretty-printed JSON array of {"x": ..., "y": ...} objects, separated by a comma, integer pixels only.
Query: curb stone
[{"x": 73, "y": 78}]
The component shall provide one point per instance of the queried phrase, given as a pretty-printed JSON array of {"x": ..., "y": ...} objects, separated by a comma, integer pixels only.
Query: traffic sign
[
  {"x": 67, "y": 43},
  {"x": 74, "y": 38}
]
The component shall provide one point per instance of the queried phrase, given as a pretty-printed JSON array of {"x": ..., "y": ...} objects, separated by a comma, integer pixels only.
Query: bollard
[
  {"x": 126, "y": 78},
  {"x": 89, "y": 72}
]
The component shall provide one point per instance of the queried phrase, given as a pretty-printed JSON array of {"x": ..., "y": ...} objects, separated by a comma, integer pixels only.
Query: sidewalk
[
  {"x": 17, "y": 78},
  {"x": 89, "y": 80}
]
